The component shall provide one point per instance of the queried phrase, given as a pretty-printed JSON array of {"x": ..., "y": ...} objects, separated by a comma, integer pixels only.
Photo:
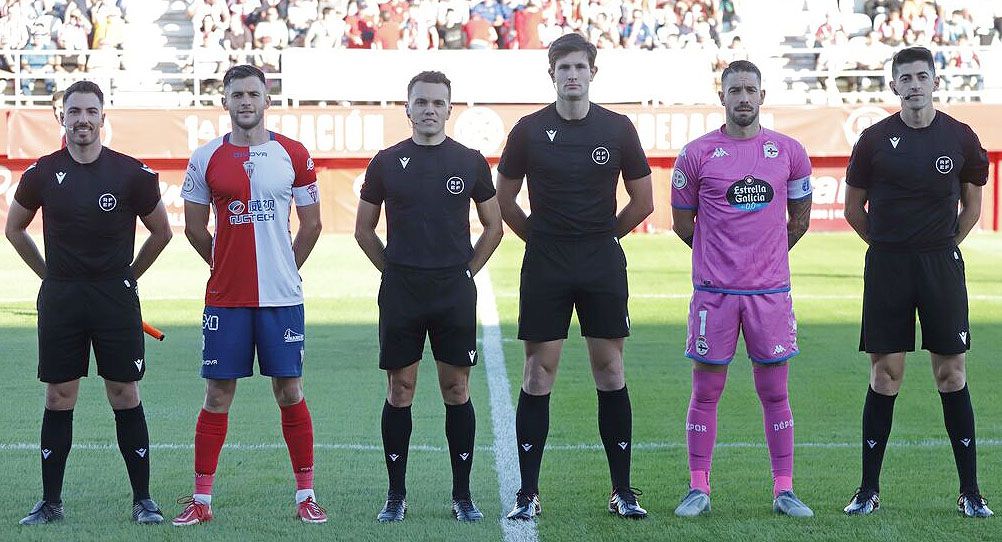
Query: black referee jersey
[
  {"x": 912, "y": 177},
  {"x": 427, "y": 191},
  {"x": 89, "y": 211},
  {"x": 572, "y": 168}
]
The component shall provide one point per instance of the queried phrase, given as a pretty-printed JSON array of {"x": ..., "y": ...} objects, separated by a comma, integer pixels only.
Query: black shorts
[
  {"x": 897, "y": 284},
  {"x": 559, "y": 275},
  {"x": 441, "y": 303},
  {"x": 73, "y": 315}
]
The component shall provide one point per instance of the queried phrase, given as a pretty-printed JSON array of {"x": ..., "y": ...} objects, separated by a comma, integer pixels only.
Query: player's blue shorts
[{"x": 231, "y": 334}]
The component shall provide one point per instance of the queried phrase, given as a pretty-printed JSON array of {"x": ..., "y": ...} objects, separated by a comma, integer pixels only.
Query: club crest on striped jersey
[{"x": 249, "y": 168}]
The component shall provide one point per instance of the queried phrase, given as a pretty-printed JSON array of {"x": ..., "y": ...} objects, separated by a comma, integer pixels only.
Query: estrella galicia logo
[
  {"x": 944, "y": 164},
  {"x": 107, "y": 202},
  {"x": 750, "y": 194},
  {"x": 236, "y": 207},
  {"x": 455, "y": 185}
]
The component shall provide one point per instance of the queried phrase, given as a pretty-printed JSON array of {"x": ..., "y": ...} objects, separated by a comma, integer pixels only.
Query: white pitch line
[
  {"x": 582, "y": 446},
  {"x": 502, "y": 413}
]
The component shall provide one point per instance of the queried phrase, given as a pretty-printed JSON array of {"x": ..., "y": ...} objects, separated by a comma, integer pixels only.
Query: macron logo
[
  {"x": 527, "y": 446},
  {"x": 394, "y": 457},
  {"x": 293, "y": 337},
  {"x": 871, "y": 443},
  {"x": 464, "y": 456},
  {"x": 623, "y": 445},
  {"x": 46, "y": 453},
  {"x": 139, "y": 364},
  {"x": 963, "y": 337},
  {"x": 966, "y": 442},
  {"x": 895, "y": 141},
  {"x": 551, "y": 134},
  {"x": 473, "y": 355},
  {"x": 60, "y": 176},
  {"x": 141, "y": 452},
  {"x": 404, "y": 161}
]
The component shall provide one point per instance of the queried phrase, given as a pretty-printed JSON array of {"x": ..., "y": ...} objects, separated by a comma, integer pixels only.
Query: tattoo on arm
[{"x": 800, "y": 219}]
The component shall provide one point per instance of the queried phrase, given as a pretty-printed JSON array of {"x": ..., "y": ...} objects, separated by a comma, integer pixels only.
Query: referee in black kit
[
  {"x": 426, "y": 183},
  {"x": 906, "y": 175},
  {"x": 572, "y": 152},
  {"x": 90, "y": 197}
]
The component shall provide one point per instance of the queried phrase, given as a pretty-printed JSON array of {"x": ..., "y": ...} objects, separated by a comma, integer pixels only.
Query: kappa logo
[
  {"x": 472, "y": 354},
  {"x": 966, "y": 442},
  {"x": 60, "y": 176},
  {"x": 778, "y": 350},
  {"x": 463, "y": 456},
  {"x": 293, "y": 337},
  {"x": 394, "y": 457},
  {"x": 455, "y": 185},
  {"x": 404, "y": 160},
  {"x": 944, "y": 164},
  {"x": 894, "y": 141},
  {"x": 139, "y": 364},
  {"x": 107, "y": 202},
  {"x": 46, "y": 453},
  {"x": 770, "y": 150},
  {"x": 551, "y": 134},
  {"x": 141, "y": 452},
  {"x": 527, "y": 446},
  {"x": 963, "y": 337},
  {"x": 600, "y": 155},
  {"x": 719, "y": 152},
  {"x": 871, "y": 443},
  {"x": 623, "y": 445}
]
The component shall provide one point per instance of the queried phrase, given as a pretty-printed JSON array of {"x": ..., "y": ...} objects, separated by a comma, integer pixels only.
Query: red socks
[
  {"x": 297, "y": 428},
  {"x": 210, "y": 433}
]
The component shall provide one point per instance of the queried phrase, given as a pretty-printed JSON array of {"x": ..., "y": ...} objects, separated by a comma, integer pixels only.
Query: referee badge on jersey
[
  {"x": 600, "y": 155},
  {"x": 770, "y": 150},
  {"x": 455, "y": 185},
  {"x": 107, "y": 202},
  {"x": 944, "y": 164}
]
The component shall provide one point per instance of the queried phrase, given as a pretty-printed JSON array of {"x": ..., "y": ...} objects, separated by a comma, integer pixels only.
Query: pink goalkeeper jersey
[
  {"x": 251, "y": 190},
  {"x": 739, "y": 189}
]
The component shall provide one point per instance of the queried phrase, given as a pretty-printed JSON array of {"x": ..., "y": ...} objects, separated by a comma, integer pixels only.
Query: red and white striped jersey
[{"x": 251, "y": 190}]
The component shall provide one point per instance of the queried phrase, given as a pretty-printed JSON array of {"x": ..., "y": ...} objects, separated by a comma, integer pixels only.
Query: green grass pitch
[{"x": 345, "y": 391}]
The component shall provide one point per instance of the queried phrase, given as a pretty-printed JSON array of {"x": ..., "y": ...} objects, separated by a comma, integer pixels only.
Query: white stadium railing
[{"x": 169, "y": 78}]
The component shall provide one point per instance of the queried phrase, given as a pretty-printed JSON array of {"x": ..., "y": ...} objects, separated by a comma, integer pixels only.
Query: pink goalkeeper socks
[
  {"x": 770, "y": 383},
  {"x": 701, "y": 425}
]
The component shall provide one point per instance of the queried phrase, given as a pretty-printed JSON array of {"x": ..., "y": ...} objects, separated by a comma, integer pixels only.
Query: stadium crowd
[{"x": 229, "y": 32}]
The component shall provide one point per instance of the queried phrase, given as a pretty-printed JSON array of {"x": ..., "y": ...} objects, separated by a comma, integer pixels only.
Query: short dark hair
[
  {"x": 433, "y": 77},
  {"x": 86, "y": 87},
  {"x": 243, "y": 71},
  {"x": 58, "y": 96},
  {"x": 571, "y": 43},
  {"x": 912, "y": 54},
  {"x": 741, "y": 66}
]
